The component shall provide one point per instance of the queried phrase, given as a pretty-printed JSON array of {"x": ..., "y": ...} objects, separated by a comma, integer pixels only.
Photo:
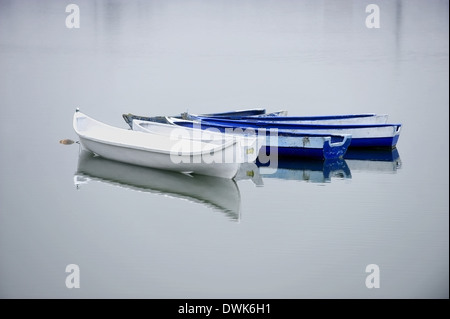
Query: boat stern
[{"x": 336, "y": 149}]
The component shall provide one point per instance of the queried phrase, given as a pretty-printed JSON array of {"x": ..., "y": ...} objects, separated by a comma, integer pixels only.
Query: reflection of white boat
[
  {"x": 387, "y": 161},
  {"x": 249, "y": 171},
  {"x": 221, "y": 193},
  {"x": 306, "y": 170},
  {"x": 155, "y": 150}
]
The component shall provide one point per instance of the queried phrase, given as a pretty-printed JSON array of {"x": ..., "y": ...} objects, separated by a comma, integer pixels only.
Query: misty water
[{"x": 308, "y": 230}]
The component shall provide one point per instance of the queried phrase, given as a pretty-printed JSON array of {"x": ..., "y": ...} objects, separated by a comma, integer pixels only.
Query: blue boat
[
  {"x": 283, "y": 143},
  {"x": 363, "y": 135},
  {"x": 318, "y": 146},
  {"x": 366, "y": 118}
]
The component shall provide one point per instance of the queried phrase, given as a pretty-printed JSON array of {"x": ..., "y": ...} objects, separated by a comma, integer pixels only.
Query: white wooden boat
[
  {"x": 157, "y": 151},
  {"x": 221, "y": 194}
]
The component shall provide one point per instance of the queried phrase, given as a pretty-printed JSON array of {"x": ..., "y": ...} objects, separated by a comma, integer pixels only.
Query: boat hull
[
  {"x": 388, "y": 142},
  {"x": 187, "y": 164},
  {"x": 318, "y": 146},
  {"x": 369, "y": 136},
  {"x": 314, "y": 147}
]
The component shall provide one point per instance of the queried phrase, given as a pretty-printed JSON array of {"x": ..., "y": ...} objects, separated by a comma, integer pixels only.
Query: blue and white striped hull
[
  {"x": 307, "y": 146},
  {"x": 318, "y": 146},
  {"x": 370, "y": 135}
]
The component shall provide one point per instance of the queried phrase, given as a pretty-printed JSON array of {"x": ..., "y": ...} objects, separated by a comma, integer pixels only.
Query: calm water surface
[{"x": 306, "y": 231}]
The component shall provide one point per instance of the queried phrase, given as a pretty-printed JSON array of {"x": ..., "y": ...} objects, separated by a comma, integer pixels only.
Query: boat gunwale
[
  {"x": 280, "y": 132},
  {"x": 296, "y": 126},
  {"x": 298, "y": 118}
]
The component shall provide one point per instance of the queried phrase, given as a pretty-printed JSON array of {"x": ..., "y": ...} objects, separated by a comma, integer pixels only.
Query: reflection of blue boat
[
  {"x": 373, "y": 160},
  {"x": 363, "y": 135},
  {"x": 372, "y": 155},
  {"x": 307, "y": 170},
  {"x": 220, "y": 193}
]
